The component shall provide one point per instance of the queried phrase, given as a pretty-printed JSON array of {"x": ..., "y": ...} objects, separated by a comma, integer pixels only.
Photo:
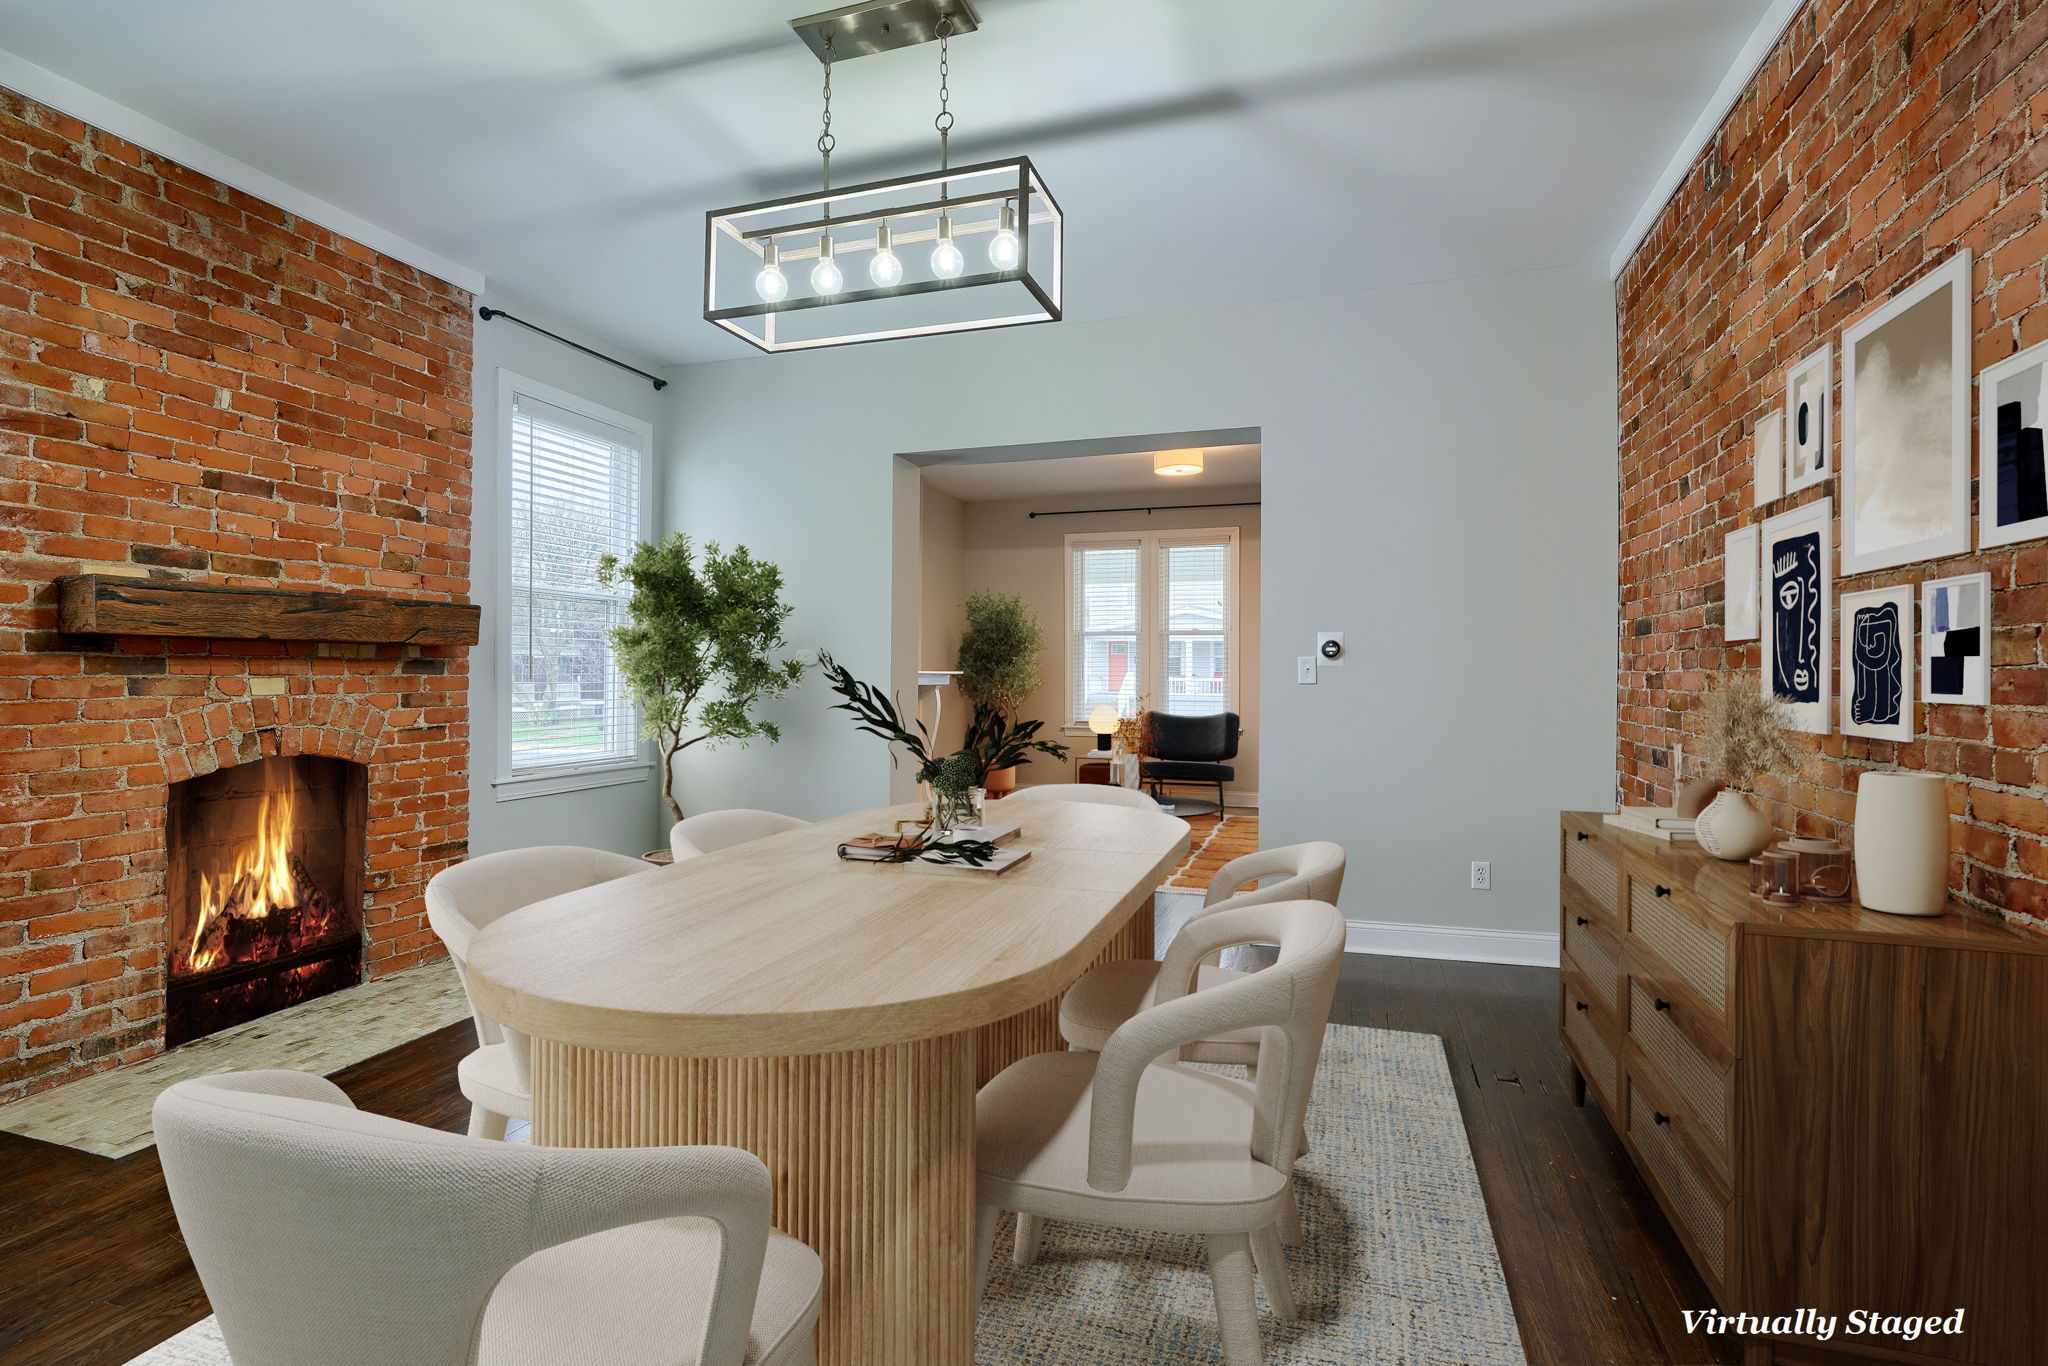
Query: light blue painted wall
[{"x": 1439, "y": 480}]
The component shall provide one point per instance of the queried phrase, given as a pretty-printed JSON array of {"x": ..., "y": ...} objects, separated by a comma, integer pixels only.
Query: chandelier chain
[
  {"x": 944, "y": 121},
  {"x": 826, "y": 140}
]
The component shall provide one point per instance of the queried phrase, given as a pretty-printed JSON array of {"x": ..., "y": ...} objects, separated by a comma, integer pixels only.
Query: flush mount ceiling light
[
  {"x": 958, "y": 249},
  {"x": 1177, "y": 462}
]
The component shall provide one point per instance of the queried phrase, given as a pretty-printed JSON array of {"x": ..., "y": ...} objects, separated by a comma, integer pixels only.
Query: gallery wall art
[
  {"x": 1798, "y": 584},
  {"x": 1955, "y": 639},
  {"x": 1878, "y": 663},
  {"x": 1741, "y": 598},
  {"x": 1906, "y": 425},
  {"x": 1767, "y": 458},
  {"x": 2012, "y": 483},
  {"x": 1808, "y": 419}
]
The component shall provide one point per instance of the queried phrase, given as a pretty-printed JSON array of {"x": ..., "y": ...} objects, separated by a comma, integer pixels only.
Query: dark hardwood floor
[{"x": 92, "y": 1271}]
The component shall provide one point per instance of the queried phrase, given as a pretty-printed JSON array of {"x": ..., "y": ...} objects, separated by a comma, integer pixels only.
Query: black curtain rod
[
  {"x": 1164, "y": 507},
  {"x": 489, "y": 313}
]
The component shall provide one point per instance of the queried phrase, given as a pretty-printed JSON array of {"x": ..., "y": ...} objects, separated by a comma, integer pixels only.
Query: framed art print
[
  {"x": 1878, "y": 663},
  {"x": 1798, "y": 588},
  {"x": 1767, "y": 458},
  {"x": 1955, "y": 639},
  {"x": 1741, "y": 601},
  {"x": 1808, "y": 420},
  {"x": 1906, "y": 425},
  {"x": 2012, "y": 488}
]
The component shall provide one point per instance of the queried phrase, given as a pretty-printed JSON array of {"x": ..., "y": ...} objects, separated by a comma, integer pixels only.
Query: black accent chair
[{"x": 1192, "y": 750}]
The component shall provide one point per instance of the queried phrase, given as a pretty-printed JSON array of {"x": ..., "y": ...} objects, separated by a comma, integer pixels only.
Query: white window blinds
[
  {"x": 1153, "y": 617},
  {"x": 575, "y": 485},
  {"x": 1104, "y": 621},
  {"x": 1195, "y": 622}
]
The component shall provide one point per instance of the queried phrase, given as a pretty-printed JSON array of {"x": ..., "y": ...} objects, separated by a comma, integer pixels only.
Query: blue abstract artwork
[
  {"x": 1797, "y": 619},
  {"x": 1877, "y": 653}
]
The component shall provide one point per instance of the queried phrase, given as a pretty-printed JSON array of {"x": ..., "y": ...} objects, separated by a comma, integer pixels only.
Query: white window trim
[
  {"x": 510, "y": 785},
  {"x": 1151, "y": 671}
]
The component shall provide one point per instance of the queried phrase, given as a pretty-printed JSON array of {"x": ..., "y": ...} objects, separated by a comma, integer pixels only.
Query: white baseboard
[{"x": 1521, "y": 947}]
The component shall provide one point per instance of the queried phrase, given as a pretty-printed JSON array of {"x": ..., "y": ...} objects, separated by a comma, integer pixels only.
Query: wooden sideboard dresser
[{"x": 1837, "y": 1110}]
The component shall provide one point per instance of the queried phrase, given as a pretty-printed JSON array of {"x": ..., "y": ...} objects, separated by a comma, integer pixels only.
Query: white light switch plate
[{"x": 1305, "y": 669}]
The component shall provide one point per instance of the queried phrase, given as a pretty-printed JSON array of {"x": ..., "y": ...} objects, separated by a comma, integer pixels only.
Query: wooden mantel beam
[{"x": 103, "y": 604}]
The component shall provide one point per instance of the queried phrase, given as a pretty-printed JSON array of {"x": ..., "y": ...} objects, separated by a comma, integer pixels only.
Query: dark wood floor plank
[{"x": 92, "y": 1271}]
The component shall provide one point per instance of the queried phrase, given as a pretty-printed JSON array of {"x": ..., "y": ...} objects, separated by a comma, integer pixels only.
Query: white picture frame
[
  {"x": 1905, "y": 448},
  {"x": 1966, "y": 608},
  {"x": 1810, "y": 420},
  {"x": 1741, "y": 589},
  {"x": 2011, "y": 488},
  {"x": 1880, "y": 654},
  {"x": 1767, "y": 457},
  {"x": 1797, "y": 576}
]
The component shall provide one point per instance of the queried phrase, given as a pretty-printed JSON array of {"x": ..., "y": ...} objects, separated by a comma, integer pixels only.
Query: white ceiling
[
  {"x": 1222, "y": 467},
  {"x": 1205, "y": 151}
]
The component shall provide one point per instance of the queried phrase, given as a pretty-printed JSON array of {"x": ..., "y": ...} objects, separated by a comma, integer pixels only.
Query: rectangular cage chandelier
[{"x": 955, "y": 249}]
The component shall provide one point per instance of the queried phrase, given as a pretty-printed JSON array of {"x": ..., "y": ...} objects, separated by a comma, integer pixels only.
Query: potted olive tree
[
  {"x": 998, "y": 670},
  {"x": 699, "y": 653}
]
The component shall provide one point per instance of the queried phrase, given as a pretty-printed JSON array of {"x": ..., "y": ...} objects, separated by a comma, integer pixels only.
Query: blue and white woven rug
[{"x": 1398, "y": 1267}]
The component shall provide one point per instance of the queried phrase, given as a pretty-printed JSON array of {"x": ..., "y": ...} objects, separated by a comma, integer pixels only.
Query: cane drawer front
[
  {"x": 1696, "y": 954},
  {"x": 1692, "y": 1200},
  {"x": 1592, "y": 870},
  {"x": 1588, "y": 1034},
  {"x": 1594, "y": 953},
  {"x": 1701, "y": 1083}
]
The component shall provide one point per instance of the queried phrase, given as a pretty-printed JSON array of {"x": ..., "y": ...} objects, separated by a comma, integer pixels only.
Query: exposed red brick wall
[
  {"x": 194, "y": 383},
  {"x": 1877, "y": 138}
]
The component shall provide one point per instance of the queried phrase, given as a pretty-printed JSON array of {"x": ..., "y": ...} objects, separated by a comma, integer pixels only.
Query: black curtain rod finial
[{"x": 488, "y": 313}]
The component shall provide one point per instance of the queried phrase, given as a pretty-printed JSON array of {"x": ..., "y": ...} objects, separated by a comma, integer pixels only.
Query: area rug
[
  {"x": 1213, "y": 842},
  {"x": 108, "y": 1114},
  {"x": 1398, "y": 1267}
]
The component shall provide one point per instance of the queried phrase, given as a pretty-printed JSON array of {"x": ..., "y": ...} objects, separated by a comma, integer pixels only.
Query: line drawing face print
[
  {"x": 1878, "y": 659},
  {"x": 1796, "y": 624}
]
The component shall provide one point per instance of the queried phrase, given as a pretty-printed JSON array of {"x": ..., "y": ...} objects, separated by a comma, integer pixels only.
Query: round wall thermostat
[{"x": 1332, "y": 649}]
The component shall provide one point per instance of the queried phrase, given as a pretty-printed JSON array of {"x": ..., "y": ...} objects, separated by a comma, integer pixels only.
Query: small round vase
[
  {"x": 1902, "y": 843},
  {"x": 1730, "y": 828}
]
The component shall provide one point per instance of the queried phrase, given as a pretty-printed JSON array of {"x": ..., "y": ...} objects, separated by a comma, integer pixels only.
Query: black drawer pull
[
  {"x": 1663, "y": 1005},
  {"x": 1661, "y": 1119},
  {"x": 1578, "y": 1005},
  {"x": 1581, "y": 920},
  {"x": 1583, "y": 836},
  {"x": 1663, "y": 891}
]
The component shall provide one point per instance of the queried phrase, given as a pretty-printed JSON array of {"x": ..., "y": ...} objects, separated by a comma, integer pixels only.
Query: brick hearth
[{"x": 197, "y": 384}]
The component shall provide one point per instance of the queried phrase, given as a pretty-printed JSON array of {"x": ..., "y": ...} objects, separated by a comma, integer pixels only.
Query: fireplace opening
[{"x": 265, "y": 880}]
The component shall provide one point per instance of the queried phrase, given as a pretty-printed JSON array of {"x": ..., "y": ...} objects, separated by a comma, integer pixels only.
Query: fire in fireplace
[{"x": 265, "y": 885}]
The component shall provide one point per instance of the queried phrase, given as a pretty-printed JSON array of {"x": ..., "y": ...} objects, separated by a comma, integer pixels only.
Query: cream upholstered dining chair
[
  {"x": 709, "y": 831},
  {"x": 1117, "y": 1138},
  {"x": 1102, "y": 794},
  {"x": 1110, "y": 993},
  {"x": 461, "y": 900},
  {"x": 328, "y": 1237}
]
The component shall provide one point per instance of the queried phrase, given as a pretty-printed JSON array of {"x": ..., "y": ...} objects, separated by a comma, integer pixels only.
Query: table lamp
[{"x": 1103, "y": 722}]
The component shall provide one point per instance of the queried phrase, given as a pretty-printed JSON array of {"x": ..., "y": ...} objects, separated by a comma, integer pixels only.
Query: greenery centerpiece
[
  {"x": 698, "y": 655},
  {"x": 998, "y": 670}
]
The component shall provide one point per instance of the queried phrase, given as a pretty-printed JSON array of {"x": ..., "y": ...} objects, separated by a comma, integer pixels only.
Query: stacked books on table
[
  {"x": 1658, "y": 822},
  {"x": 879, "y": 848}
]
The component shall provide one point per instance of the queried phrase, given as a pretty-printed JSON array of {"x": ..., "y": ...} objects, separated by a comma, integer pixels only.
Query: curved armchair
[
  {"x": 1191, "y": 750},
  {"x": 329, "y": 1237},
  {"x": 1113, "y": 1138},
  {"x": 1102, "y": 794},
  {"x": 461, "y": 900},
  {"x": 709, "y": 831}
]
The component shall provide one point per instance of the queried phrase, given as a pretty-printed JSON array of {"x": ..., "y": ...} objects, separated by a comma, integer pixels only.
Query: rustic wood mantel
[{"x": 105, "y": 604}]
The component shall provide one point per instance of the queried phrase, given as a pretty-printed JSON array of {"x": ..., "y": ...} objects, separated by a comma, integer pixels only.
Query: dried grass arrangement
[{"x": 1745, "y": 732}]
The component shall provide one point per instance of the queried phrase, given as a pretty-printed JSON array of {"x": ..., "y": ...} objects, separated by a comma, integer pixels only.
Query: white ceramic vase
[
  {"x": 1902, "y": 843},
  {"x": 1730, "y": 828}
]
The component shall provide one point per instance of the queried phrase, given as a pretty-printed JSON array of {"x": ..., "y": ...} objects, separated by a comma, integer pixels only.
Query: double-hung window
[
  {"x": 1153, "y": 617},
  {"x": 576, "y": 484}
]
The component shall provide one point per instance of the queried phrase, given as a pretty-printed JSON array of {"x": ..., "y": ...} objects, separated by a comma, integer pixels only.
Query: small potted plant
[
  {"x": 1745, "y": 738},
  {"x": 998, "y": 670}
]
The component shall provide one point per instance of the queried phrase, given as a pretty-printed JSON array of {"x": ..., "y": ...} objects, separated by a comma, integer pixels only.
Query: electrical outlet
[
  {"x": 1305, "y": 669},
  {"x": 1482, "y": 876}
]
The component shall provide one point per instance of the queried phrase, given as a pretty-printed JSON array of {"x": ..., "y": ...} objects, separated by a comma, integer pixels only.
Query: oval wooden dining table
[{"x": 836, "y": 1019}]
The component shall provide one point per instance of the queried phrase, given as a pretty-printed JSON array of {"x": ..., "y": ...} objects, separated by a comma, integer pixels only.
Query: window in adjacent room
[{"x": 1153, "y": 616}]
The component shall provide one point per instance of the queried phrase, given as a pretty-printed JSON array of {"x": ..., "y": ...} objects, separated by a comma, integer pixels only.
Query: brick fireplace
[{"x": 198, "y": 387}]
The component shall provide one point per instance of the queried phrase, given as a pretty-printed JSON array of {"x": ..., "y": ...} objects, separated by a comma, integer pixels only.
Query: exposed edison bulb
[
  {"x": 947, "y": 262},
  {"x": 826, "y": 277},
  {"x": 1004, "y": 250},
  {"x": 771, "y": 284},
  {"x": 885, "y": 268}
]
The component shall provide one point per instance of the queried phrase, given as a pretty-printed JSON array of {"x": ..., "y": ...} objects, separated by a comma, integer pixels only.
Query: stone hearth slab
[{"x": 108, "y": 1113}]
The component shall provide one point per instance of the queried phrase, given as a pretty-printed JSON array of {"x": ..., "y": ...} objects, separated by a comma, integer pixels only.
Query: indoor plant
[
  {"x": 998, "y": 670},
  {"x": 698, "y": 654},
  {"x": 1745, "y": 738}
]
